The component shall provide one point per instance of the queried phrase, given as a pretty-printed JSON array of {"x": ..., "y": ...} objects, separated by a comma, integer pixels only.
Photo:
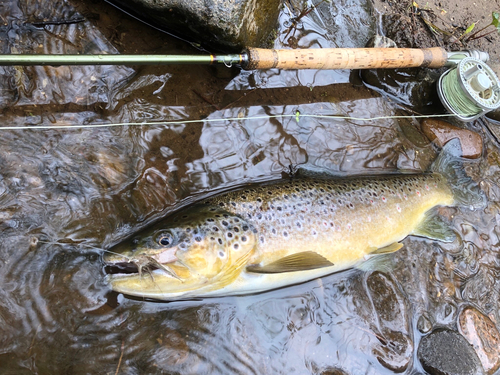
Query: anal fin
[
  {"x": 393, "y": 247},
  {"x": 306, "y": 260}
]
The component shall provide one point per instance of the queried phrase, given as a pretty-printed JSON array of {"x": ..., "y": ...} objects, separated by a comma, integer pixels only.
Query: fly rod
[
  {"x": 469, "y": 89},
  {"x": 259, "y": 58}
]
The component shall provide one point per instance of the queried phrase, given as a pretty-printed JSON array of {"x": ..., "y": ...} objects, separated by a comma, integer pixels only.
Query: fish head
[{"x": 203, "y": 247}]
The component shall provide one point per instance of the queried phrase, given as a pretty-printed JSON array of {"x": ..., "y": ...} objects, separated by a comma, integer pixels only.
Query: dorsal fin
[{"x": 306, "y": 260}]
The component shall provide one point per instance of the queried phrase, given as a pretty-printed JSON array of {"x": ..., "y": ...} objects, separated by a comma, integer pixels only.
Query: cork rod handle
[{"x": 345, "y": 58}]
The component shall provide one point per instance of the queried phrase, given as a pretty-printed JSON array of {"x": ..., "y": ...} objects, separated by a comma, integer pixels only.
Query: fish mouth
[{"x": 125, "y": 268}]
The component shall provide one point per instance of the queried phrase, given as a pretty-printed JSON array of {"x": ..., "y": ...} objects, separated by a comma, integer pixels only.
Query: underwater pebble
[
  {"x": 395, "y": 352},
  {"x": 440, "y": 132},
  {"x": 424, "y": 325},
  {"x": 446, "y": 352},
  {"x": 483, "y": 335},
  {"x": 333, "y": 371},
  {"x": 396, "y": 348}
]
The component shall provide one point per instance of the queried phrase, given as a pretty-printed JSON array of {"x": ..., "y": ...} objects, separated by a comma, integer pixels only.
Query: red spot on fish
[
  {"x": 383, "y": 199},
  {"x": 418, "y": 193},
  {"x": 426, "y": 187}
]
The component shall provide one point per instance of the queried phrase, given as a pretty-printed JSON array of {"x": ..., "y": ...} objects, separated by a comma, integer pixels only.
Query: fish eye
[{"x": 165, "y": 239}]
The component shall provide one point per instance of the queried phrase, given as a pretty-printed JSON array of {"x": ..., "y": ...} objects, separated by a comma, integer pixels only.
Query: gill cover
[{"x": 201, "y": 247}]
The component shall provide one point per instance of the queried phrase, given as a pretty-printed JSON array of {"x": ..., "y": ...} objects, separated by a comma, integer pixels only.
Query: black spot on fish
[
  {"x": 224, "y": 222},
  {"x": 236, "y": 229},
  {"x": 236, "y": 246},
  {"x": 215, "y": 229},
  {"x": 220, "y": 241},
  {"x": 210, "y": 220},
  {"x": 245, "y": 227},
  {"x": 229, "y": 234},
  {"x": 221, "y": 204},
  {"x": 243, "y": 238},
  {"x": 197, "y": 239}
]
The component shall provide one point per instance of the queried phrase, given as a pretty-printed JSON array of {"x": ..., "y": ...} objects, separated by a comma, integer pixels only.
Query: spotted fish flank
[{"x": 268, "y": 236}]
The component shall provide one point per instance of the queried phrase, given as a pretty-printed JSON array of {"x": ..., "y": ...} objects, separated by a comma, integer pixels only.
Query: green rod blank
[{"x": 55, "y": 60}]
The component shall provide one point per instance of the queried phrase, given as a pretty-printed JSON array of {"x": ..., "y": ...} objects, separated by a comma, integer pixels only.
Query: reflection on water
[{"x": 65, "y": 193}]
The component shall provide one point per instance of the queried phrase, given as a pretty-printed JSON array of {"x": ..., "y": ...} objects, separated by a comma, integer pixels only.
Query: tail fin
[{"x": 449, "y": 164}]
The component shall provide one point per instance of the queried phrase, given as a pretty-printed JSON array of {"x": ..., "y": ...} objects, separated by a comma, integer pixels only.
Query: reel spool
[{"x": 469, "y": 90}]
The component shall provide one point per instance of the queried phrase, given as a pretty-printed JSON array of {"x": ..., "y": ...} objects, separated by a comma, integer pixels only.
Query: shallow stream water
[{"x": 66, "y": 193}]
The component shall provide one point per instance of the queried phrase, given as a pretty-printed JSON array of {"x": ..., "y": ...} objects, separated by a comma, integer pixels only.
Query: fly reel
[{"x": 470, "y": 89}]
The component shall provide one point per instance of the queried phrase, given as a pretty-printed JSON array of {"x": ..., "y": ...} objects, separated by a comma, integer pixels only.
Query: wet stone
[
  {"x": 483, "y": 335},
  {"x": 446, "y": 352},
  {"x": 441, "y": 132},
  {"x": 220, "y": 24}
]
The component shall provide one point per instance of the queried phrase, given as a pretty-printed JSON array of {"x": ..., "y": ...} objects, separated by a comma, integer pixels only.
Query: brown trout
[{"x": 264, "y": 237}]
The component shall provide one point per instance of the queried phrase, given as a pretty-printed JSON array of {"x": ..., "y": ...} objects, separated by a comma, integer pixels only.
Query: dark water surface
[{"x": 66, "y": 193}]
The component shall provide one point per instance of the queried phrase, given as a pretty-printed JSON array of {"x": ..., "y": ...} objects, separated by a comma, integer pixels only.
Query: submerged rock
[
  {"x": 395, "y": 347},
  {"x": 483, "y": 335},
  {"x": 220, "y": 24},
  {"x": 440, "y": 132},
  {"x": 446, "y": 352}
]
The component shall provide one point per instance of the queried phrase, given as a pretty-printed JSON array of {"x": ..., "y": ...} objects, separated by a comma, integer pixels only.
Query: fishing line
[
  {"x": 183, "y": 122},
  {"x": 457, "y": 98}
]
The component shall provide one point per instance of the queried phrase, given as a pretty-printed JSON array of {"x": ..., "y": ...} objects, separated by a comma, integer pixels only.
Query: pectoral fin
[
  {"x": 307, "y": 260},
  {"x": 435, "y": 228}
]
